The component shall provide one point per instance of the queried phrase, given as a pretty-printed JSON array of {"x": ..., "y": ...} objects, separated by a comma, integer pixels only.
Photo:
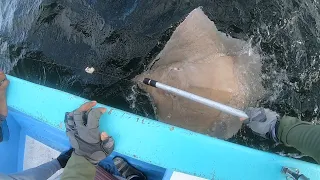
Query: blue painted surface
[
  {"x": 5, "y": 131},
  {"x": 158, "y": 143},
  {"x": 21, "y": 125},
  {"x": 9, "y": 149},
  {"x": 42, "y": 132},
  {"x": 167, "y": 174}
]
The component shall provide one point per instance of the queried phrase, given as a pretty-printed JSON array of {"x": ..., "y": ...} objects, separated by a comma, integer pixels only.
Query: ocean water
[{"x": 51, "y": 42}]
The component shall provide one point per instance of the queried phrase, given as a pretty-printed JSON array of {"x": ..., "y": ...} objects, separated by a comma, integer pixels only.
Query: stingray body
[{"x": 197, "y": 59}]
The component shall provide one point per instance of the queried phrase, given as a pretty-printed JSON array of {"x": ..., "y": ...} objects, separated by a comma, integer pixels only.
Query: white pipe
[{"x": 196, "y": 98}]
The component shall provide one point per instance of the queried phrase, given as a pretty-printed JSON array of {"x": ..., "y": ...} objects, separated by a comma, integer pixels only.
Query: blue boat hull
[
  {"x": 19, "y": 125},
  {"x": 154, "y": 147}
]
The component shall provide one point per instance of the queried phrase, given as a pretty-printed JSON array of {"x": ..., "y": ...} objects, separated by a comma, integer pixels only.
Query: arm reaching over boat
[
  {"x": 291, "y": 131},
  {"x": 43, "y": 171},
  {"x": 4, "y": 82},
  {"x": 90, "y": 145}
]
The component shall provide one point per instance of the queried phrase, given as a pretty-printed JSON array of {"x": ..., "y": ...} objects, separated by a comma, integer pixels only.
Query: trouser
[
  {"x": 41, "y": 172},
  {"x": 46, "y": 170},
  {"x": 4, "y": 132}
]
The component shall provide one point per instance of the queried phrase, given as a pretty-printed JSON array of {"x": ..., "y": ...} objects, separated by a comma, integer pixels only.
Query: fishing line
[{"x": 95, "y": 72}]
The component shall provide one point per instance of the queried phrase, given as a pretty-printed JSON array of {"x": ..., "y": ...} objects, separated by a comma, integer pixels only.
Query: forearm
[
  {"x": 41, "y": 172},
  {"x": 78, "y": 168},
  {"x": 301, "y": 135}
]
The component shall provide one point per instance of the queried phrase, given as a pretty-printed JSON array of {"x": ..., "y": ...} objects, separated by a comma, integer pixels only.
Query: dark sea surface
[{"x": 52, "y": 42}]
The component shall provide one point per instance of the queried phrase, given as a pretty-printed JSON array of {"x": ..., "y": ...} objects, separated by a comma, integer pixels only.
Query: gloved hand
[
  {"x": 83, "y": 131},
  {"x": 262, "y": 122},
  {"x": 64, "y": 157}
]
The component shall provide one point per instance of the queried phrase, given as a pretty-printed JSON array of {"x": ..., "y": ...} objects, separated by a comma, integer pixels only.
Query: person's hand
[
  {"x": 4, "y": 82},
  {"x": 83, "y": 131},
  {"x": 262, "y": 122},
  {"x": 64, "y": 157}
]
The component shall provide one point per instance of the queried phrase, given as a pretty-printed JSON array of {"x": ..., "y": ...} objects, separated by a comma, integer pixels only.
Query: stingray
[{"x": 203, "y": 61}]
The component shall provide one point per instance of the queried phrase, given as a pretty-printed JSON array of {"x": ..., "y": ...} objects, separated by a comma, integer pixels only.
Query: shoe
[{"x": 127, "y": 171}]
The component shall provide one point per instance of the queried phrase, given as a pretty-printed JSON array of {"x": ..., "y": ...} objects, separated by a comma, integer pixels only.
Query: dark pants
[{"x": 3, "y": 128}]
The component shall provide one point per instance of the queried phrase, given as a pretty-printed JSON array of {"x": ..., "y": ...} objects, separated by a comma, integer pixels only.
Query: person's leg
[
  {"x": 3, "y": 101},
  {"x": 43, "y": 171},
  {"x": 2, "y": 127}
]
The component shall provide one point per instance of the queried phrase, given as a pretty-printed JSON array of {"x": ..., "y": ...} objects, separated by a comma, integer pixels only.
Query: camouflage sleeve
[
  {"x": 301, "y": 135},
  {"x": 78, "y": 168}
]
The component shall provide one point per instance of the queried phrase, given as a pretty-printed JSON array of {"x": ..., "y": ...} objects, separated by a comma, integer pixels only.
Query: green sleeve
[
  {"x": 78, "y": 168},
  {"x": 301, "y": 135}
]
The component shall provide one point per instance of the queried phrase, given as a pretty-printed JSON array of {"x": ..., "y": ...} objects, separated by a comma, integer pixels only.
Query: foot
[
  {"x": 3, "y": 97},
  {"x": 127, "y": 171}
]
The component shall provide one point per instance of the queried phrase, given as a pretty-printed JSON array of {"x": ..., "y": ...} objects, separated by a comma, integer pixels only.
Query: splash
[{"x": 205, "y": 62}]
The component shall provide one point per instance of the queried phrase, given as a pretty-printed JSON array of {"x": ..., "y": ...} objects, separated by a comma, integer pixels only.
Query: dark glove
[
  {"x": 262, "y": 122},
  {"x": 83, "y": 132},
  {"x": 64, "y": 157}
]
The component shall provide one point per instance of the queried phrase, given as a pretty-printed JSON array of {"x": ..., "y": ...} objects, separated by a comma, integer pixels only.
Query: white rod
[{"x": 196, "y": 98}]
